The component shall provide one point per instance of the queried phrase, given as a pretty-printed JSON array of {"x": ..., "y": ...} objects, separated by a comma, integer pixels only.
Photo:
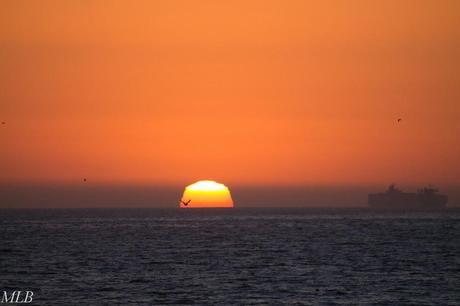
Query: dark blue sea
[{"x": 231, "y": 256}]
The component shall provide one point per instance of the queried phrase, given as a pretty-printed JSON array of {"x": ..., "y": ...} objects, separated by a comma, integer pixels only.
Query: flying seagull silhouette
[{"x": 185, "y": 203}]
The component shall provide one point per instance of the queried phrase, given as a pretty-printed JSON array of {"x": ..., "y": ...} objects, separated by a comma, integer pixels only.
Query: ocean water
[{"x": 233, "y": 256}]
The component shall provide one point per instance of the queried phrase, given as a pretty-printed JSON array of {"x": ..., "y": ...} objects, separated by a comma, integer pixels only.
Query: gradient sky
[{"x": 242, "y": 92}]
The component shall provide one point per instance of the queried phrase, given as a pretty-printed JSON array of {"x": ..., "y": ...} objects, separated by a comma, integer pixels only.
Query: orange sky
[{"x": 242, "y": 92}]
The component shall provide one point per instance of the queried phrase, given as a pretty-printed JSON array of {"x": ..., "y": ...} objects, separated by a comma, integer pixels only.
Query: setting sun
[{"x": 206, "y": 194}]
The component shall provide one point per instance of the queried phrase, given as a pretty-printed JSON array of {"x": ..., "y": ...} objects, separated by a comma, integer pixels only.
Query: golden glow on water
[{"x": 204, "y": 194}]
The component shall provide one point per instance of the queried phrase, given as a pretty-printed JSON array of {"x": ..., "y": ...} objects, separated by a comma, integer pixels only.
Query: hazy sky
[{"x": 242, "y": 92}]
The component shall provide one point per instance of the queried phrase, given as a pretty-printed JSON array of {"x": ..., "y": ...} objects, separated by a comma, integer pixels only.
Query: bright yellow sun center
[{"x": 206, "y": 194}]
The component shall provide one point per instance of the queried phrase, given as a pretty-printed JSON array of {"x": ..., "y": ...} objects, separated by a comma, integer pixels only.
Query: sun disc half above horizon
[{"x": 203, "y": 194}]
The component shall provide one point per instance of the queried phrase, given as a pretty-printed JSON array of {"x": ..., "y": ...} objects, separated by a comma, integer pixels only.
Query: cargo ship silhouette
[{"x": 393, "y": 198}]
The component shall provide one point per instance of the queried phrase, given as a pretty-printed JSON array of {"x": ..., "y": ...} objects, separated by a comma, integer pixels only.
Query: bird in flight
[
  {"x": 185, "y": 203},
  {"x": 399, "y": 119}
]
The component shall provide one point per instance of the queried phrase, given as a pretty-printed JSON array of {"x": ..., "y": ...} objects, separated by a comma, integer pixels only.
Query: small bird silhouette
[
  {"x": 84, "y": 180},
  {"x": 185, "y": 203},
  {"x": 3, "y": 122},
  {"x": 399, "y": 119}
]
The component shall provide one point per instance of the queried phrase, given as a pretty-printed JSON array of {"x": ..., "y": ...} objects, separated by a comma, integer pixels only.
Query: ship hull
[{"x": 406, "y": 201}]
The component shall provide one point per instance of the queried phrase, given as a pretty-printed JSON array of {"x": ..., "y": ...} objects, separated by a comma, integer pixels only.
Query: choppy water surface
[{"x": 239, "y": 256}]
